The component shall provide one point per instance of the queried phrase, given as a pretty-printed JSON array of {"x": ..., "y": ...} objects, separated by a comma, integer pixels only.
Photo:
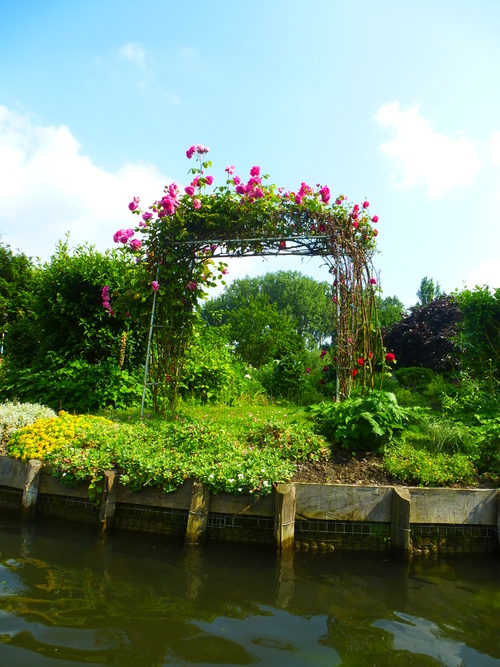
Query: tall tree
[{"x": 428, "y": 291}]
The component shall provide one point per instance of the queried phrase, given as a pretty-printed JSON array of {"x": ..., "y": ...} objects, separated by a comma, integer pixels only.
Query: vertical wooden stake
[
  {"x": 284, "y": 517},
  {"x": 498, "y": 518},
  {"x": 108, "y": 500},
  {"x": 400, "y": 522},
  {"x": 30, "y": 492},
  {"x": 198, "y": 514}
]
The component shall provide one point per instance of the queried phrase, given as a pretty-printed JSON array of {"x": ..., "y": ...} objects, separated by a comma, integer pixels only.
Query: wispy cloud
[
  {"x": 134, "y": 52},
  {"x": 423, "y": 155},
  {"x": 48, "y": 187}
]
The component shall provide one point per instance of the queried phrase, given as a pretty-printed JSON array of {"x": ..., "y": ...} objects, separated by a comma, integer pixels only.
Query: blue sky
[{"x": 397, "y": 102}]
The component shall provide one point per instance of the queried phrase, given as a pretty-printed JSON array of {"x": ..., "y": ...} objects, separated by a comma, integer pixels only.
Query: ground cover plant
[{"x": 231, "y": 456}]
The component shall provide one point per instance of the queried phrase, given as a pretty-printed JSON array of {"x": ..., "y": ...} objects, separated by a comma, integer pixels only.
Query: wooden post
[
  {"x": 108, "y": 500},
  {"x": 284, "y": 516},
  {"x": 400, "y": 522},
  {"x": 498, "y": 518},
  {"x": 198, "y": 514},
  {"x": 30, "y": 492}
]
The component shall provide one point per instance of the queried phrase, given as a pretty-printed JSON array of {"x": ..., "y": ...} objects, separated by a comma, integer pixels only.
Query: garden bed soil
[{"x": 365, "y": 469}]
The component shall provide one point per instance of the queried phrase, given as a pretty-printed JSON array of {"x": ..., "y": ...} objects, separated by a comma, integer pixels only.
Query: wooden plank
[
  {"x": 400, "y": 522},
  {"x": 284, "y": 517},
  {"x": 225, "y": 503},
  {"x": 108, "y": 501},
  {"x": 454, "y": 506},
  {"x": 30, "y": 492},
  {"x": 52, "y": 485},
  {"x": 344, "y": 502},
  {"x": 198, "y": 514},
  {"x": 12, "y": 472},
  {"x": 156, "y": 497}
]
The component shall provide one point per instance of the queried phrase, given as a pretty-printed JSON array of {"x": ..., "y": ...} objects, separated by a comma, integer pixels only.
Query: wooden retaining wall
[{"x": 303, "y": 516}]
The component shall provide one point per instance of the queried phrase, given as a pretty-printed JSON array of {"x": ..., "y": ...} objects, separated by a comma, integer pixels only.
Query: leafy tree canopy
[
  {"x": 304, "y": 300},
  {"x": 390, "y": 310}
]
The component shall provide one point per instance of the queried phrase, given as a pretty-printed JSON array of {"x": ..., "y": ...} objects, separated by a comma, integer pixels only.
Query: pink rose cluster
[
  {"x": 253, "y": 188},
  {"x": 200, "y": 149},
  {"x": 105, "y": 300},
  {"x": 307, "y": 191},
  {"x": 169, "y": 203},
  {"x": 123, "y": 235}
]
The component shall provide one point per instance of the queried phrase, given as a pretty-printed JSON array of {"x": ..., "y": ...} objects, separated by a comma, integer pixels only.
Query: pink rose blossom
[
  {"x": 155, "y": 286},
  {"x": 196, "y": 204},
  {"x": 147, "y": 216},
  {"x": 355, "y": 224},
  {"x": 366, "y": 204},
  {"x": 195, "y": 182},
  {"x": 135, "y": 244},
  {"x": 236, "y": 180},
  {"x": 259, "y": 193},
  {"x": 210, "y": 180},
  {"x": 298, "y": 199},
  {"x": 323, "y": 354},
  {"x": 225, "y": 271},
  {"x": 255, "y": 171},
  {"x": 375, "y": 218},
  {"x": 190, "y": 152},
  {"x": 373, "y": 281},
  {"x": 191, "y": 285},
  {"x": 213, "y": 247},
  {"x": 241, "y": 189},
  {"x": 134, "y": 204},
  {"x": 230, "y": 169},
  {"x": 173, "y": 190},
  {"x": 189, "y": 190}
]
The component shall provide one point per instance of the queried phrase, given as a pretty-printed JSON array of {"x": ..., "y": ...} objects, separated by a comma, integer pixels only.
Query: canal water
[{"x": 69, "y": 599}]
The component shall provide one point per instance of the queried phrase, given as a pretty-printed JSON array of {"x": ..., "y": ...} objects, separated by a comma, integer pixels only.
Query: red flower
[
  {"x": 355, "y": 372},
  {"x": 360, "y": 361},
  {"x": 322, "y": 381},
  {"x": 390, "y": 358},
  {"x": 371, "y": 355},
  {"x": 323, "y": 354}
]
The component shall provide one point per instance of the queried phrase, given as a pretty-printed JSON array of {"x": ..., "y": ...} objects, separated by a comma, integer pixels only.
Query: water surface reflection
[{"x": 67, "y": 598}]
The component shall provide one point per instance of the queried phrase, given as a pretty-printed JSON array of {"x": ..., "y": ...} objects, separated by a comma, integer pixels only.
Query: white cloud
[
  {"x": 495, "y": 147},
  {"x": 48, "y": 187},
  {"x": 134, "y": 52},
  {"x": 425, "y": 156},
  {"x": 486, "y": 272}
]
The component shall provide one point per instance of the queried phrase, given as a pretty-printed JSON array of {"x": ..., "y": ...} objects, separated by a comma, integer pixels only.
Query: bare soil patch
[{"x": 365, "y": 469}]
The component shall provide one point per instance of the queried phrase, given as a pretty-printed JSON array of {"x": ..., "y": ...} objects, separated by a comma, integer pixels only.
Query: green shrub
[
  {"x": 361, "y": 423},
  {"x": 414, "y": 378},
  {"x": 75, "y": 386}
]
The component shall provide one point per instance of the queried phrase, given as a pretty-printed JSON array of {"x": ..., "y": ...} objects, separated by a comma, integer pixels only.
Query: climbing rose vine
[{"x": 174, "y": 254}]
